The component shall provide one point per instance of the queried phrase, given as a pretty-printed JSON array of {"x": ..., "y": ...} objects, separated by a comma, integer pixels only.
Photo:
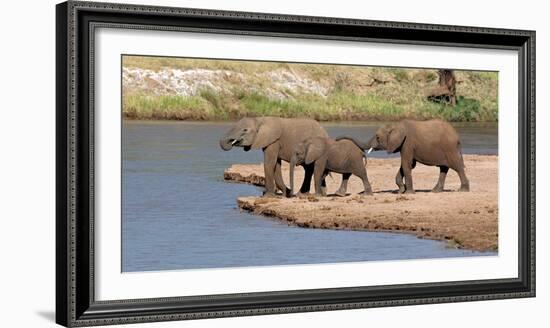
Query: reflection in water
[{"x": 178, "y": 213}]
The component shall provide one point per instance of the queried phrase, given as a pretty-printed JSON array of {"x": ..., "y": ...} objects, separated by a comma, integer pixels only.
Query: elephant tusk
[
  {"x": 234, "y": 142},
  {"x": 369, "y": 150}
]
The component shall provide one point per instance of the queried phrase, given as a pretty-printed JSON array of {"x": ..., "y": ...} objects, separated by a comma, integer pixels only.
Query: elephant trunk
[
  {"x": 369, "y": 145},
  {"x": 226, "y": 143},
  {"x": 292, "y": 167},
  {"x": 372, "y": 144}
]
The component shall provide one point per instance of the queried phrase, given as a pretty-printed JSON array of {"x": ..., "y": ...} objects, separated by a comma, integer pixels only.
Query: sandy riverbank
[{"x": 463, "y": 219}]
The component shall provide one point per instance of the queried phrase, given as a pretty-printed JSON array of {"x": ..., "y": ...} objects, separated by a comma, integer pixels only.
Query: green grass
[
  {"x": 466, "y": 110},
  {"x": 355, "y": 93},
  {"x": 336, "y": 107},
  {"x": 166, "y": 107}
]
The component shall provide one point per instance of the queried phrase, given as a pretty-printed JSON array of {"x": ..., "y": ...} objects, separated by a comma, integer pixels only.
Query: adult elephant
[
  {"x": 432, "y": 142},
  {"x": 277, "y": 137}
]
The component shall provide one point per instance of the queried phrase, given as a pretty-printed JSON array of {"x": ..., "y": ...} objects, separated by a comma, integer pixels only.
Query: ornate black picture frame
[{"x": 75, "y": 301}]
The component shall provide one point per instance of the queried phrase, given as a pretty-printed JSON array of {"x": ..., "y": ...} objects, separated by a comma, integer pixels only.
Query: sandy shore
[{"x": 463, "y": 219}]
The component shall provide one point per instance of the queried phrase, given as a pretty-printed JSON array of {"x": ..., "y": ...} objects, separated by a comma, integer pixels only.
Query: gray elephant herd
[{"x": 305, "y": 142}]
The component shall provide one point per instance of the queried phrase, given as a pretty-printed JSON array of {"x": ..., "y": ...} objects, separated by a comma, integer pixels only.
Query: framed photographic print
[{"x": 214, "y": 163}]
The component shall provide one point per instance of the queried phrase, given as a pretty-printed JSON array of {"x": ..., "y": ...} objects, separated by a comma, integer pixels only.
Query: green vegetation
[
  {"x": 212, "y": 106},
  {"x": 324, "y": 92}
]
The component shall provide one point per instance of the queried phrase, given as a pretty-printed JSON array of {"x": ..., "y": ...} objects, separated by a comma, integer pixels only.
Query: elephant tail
[{"x": 362, "y": 145}]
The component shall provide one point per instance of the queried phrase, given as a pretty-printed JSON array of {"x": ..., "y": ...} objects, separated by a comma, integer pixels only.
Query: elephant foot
[
  {"x": 269, "y": 194},
  {"x": 409, "y": 191},
  {"x": 288, "y": 193},
  {"x": 401, "y": 190},
  {"x": 302, "y": 194},
  {"x": 367, "y": 193},
  {"x": 464, "y": 188},
  {"x": 437, "y": 188},
  {"x": 340, "y": 193}
]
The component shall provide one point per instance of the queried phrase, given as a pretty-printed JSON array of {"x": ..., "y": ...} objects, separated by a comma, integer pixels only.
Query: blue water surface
[{"x": 179, "y": 213}]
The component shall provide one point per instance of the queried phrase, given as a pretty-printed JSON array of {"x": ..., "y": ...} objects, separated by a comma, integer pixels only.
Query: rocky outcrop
[{"x": 277, "y": 84}]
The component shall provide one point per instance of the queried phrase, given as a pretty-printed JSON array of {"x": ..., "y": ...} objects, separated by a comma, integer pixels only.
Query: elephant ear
[
  {"x": 396, "y": 136},
  {"x": 315, "y": 149},
  {"x": 268, "y": 132}
]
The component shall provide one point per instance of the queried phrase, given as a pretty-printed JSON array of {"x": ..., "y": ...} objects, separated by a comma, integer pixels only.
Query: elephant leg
[
  {"x": 324, "y": 184},
  {"x": 464, "y": 183},
  {"x": 344, "y": 185},
  {"x": 407, "y": 166},
  {"x": 270, "y": 163},
  {"x": 399, "y": 180},
  {"x": 308, "y": 173},
  {"x": 456, "y": 162},
  {"x": 366, "y": 184},
  {"x": 319, "y": 170},
  {"x": 279, "y": 182},
  {"x": 441, "y": 182}
]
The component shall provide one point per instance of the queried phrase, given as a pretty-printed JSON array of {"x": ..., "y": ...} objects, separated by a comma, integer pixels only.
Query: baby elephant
[{"x": 342, "y": 156}]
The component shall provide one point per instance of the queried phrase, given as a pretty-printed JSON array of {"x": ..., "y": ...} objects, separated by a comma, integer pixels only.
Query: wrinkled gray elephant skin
[
  {"x": 344, "y": 157},
  {"x": 276, "y": 137},
  {"x": 433, "y": 142}
]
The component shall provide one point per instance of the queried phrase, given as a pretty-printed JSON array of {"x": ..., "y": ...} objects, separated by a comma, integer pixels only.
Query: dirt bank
[
  {"x": 463, "y": 219},
  {"x": 157, "y": 88}
]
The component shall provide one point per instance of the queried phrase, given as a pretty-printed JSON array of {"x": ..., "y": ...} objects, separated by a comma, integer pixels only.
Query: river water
[{"x": 178, "y": 213}]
